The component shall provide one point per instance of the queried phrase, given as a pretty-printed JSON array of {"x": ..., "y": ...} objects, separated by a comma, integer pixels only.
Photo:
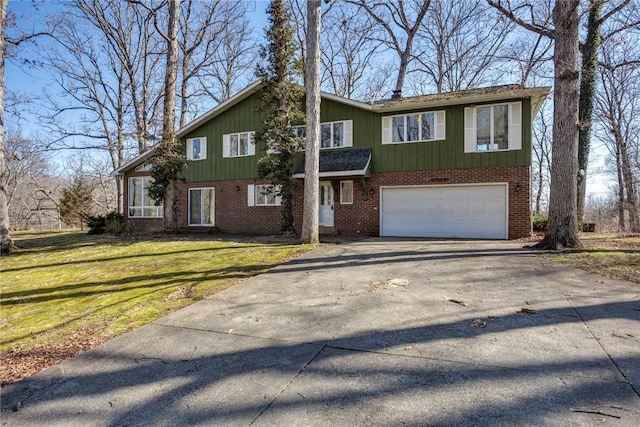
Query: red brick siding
[
  {"x": 362, "y": 218},
  {"x": 232, "y": 213}
]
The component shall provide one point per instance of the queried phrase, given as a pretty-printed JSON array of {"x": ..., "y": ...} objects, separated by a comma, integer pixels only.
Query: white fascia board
[
  {"x": 140, "y": 158},
  {"x": 347, "y": 101},
  {"x": 362, "y": 172}
]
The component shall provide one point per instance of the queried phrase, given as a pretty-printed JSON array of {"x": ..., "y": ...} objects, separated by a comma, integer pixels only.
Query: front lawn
[{"x": 62, "y": 293}]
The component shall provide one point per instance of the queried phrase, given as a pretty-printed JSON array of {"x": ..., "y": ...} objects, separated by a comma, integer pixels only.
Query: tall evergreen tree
[
  {"x": 282, "y": 100},
  {"x": 76, "y": 203}
]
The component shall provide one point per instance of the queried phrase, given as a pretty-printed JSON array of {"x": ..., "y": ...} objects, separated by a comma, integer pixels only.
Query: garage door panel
[{"x": 477, "y": 211}]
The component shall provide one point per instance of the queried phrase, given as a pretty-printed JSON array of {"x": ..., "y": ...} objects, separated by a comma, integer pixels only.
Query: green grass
[{"x": 57, "y": 285}]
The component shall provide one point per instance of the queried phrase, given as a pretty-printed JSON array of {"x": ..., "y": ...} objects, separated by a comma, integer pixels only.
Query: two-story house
[{"x": 451, "y": 165}]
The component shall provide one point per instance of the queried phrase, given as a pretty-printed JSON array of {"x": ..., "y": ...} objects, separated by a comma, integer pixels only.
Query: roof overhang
[
  {"x": 467, "y": 97},
  {"x": 340, "y": 162},
  {"x": 139, "y": 159}
]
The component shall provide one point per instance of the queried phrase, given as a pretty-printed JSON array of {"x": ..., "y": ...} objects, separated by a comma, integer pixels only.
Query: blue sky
[{"x": 23, "y": 77}]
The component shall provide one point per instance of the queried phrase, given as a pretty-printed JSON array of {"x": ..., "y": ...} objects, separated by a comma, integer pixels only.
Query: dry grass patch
[
  {"x": 63, "y": 293},
  {"x": 611, "y": 255}
]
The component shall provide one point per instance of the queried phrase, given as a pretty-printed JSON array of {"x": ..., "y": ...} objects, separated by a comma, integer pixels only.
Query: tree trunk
[
  {"x": 630, "y": 204},
  {"x": 6, "y": 245},
  {"x": 311, "y": 208},
  {"x": 169, "y": 113},
  {"x": 562, "y": 227},
  {"x": 587, "y": 94}
]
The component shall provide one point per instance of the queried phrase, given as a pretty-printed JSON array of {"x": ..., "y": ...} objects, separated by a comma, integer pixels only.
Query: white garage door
[{"x": 473, "y": 211}]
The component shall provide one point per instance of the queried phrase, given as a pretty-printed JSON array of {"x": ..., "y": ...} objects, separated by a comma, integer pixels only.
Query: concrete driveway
[{"x": 375, "y": 332}]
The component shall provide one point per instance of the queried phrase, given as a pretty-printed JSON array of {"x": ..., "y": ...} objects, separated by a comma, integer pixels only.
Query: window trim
[
  {"x": 252, "y": 195},
  {"x": 203, "y": 148},
  {"x": 514, "y": 128},
  {"x": 342, "y": 199},
  {"x": 439, "y": 127},
  {"x": 213, "y": 216},
  {"x": 226, "y": 144},
  {"x": 159, "y": 209}
]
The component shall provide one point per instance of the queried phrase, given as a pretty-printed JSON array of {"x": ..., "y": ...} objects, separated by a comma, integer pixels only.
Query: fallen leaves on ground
[{"x": 16, "y": 364}]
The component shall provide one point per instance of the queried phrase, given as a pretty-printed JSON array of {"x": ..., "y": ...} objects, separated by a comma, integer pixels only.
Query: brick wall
[
  {"x": 232, "y": 213},
  {"x": 362, "y": 218}
]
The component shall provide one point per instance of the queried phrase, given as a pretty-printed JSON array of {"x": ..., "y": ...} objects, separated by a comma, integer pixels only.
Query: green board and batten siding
[{"x": 367, "y": 132}]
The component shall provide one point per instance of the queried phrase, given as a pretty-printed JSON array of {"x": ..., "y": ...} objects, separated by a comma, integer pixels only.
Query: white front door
[{"x": 326, "y": 204}]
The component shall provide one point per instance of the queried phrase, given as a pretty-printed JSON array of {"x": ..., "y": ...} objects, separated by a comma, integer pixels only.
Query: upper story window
[
  {"x": 493, "y": 127},
  {"x": 197, "y": 148},
  {"x": 414, "y": 127},
  {"x": 141, "y": 205},
  {"x": 263, "y": 195},
  {"x": 144, "y": 167},
  {"x": 332, "y": 134},
  {"x": 238, "y": 144}
]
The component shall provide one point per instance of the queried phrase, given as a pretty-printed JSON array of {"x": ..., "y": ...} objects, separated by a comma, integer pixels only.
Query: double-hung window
[
  {"x": 346, "y": 192},
  {"x": 493, "y": 127},
  {"x": 238, "y": 144},
  {"x": 414, "y": 127},
  {"x": 202, "y": 206},
  {"x": 332, "y": 134},
  {"x": 196, "y": 148},
  {"x": 141, "y": 205},
  {"x": 336, "y": 134},
  {"x": 263, "y": 195}
]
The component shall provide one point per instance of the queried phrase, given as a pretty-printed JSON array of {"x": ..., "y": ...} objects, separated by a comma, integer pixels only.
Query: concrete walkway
[{"x": 376, "y": 332}]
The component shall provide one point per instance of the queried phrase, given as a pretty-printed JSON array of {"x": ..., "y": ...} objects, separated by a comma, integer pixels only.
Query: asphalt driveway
[{"x": 375, "y": 332}]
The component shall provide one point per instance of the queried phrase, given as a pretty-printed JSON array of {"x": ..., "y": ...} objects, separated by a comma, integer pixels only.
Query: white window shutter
[
  {"x": 470, "y": 134},
  {"x": 386, "y": 130},
  {"x": 440, "y": 125},
  {"x": 226, "y": 150},
  {"x": 252, "y": 144},
  {"x": 251, "y": 195},
  {"x": 203, "y": 148},
  {"x": 515, "y": 126},
  {"x": 277, "y": 189},
  {"x": 348, "y": 133},
  {"x": 190, "y": 149}
]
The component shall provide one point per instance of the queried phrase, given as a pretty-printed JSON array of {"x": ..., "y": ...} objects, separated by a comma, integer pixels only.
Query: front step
[{"x": 327, "y": 230}]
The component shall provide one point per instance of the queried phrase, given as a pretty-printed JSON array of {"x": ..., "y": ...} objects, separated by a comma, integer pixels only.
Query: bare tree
[
  {"x": 6, "y": 244},
  {"x": 625, "y": 16},
  {"x": 127, "y": 34},
  {"x": 458, "y": 44},
  {"x": 310, "y": 218},
  {"x": 541, "y": 165},
  {"x": 618, "y": 106},
  {"x": 349, "y": 46},
  {"x": 400, "y": 25},
  {"x": 562, "y": 227},
  {"x": 217, "y": 52}
]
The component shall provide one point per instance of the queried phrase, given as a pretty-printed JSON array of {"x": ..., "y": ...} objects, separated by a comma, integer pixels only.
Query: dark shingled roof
[{"x": 341, "y": 160}]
